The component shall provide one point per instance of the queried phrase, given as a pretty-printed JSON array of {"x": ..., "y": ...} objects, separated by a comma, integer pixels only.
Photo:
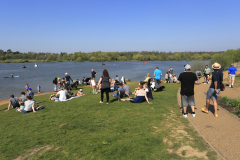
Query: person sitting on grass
[
  {"x": 29, "y": 105},
  {"x": 147, "y": 77},
  {"x": 140, "y": 96},
  {"x": 120, "y": 93},
  {"x": 21, "y": 107},
  {"x": 62, "y": 95},
  {"x": 23, "y": 97},
  {"x": 126, "y": 89},
  {"x": 80, "y": 93},
  {"x": 148, "y": 92},
  {"x": 140, "y": 83},
  {"x": 13, "y": 101},
  {"x": 52, "y": 97}
]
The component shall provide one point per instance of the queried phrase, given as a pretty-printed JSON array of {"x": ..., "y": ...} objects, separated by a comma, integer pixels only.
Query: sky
[{"x": 119, "y": 25}]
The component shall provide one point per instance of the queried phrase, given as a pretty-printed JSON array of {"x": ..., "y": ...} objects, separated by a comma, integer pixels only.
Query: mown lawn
[{"x": 82, "y": 128}]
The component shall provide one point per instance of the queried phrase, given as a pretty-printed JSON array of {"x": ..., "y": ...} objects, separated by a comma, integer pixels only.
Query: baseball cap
[
  {"x": 80, "y": 90},
  {"x": 66, "y": 73},
  {"x": 29, "y": 88},
  {"x": 187, "y": 67}
]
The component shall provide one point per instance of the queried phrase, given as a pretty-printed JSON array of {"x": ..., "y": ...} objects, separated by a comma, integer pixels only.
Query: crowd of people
[{"x": 142, "y": 93}]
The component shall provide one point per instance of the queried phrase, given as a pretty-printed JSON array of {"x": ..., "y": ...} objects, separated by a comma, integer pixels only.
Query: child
[
  {"x": 21, "y": 107},
  {"x": 152, "y": 85},
  {"x": 93, "y": 85},
  {"x": 38, "y": 87},
  {"x": 166, "y": 77}
]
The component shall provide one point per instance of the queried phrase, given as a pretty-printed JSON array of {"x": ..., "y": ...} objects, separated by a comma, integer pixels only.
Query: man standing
[
  {"x": 55, "y": 82},
  {"x": 93, "y": 74},
  {"x": 206, "y": 74},
  {"x": 67, "y": 80},
  {"x": 187, "y": 80},
  {"x": 232, "y": 72},
  {"x": 214, "y": 89},
  {"x": 157, "y": 77}
]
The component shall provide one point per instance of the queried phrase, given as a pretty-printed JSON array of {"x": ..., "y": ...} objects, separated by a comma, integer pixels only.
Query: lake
[{"x": 46, "y": 72}]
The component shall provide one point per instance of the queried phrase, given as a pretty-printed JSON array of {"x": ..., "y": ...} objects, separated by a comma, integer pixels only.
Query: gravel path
[{"x": 221, "y": 132}]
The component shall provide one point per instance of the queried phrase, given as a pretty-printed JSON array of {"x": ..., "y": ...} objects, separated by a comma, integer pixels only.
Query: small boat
[
  {"x": 103, "y": 63},
  {"x": 145, "y": 62},
  {"x": 12, "y": 77},
  {"x": 36, "y": 65}
]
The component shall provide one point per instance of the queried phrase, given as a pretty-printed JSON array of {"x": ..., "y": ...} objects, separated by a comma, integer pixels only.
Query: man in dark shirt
[
  {"x": 187, "y": 80},
  {"x": 93, "y": 74},
  {"x": 67, "y": 80},
  {"x": 55, "y": 84},
  {"x": 214, "y": 89}
]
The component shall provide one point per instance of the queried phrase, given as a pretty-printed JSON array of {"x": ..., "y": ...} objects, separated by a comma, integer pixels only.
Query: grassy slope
[{"x": 83, "y": 128}]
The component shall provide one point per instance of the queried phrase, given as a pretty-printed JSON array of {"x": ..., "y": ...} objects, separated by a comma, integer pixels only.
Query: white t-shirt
[
  {"x": 28, "y": 105},
  {"x": 62, "y": 96},
  {"x": 93, "y": 83}
]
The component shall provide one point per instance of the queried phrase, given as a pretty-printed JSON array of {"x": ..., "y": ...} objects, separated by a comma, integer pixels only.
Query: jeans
[
  {"x": 157, "y": 83},
  {"x": 55, "y": 87},
  {"x": 106, "y": 90}
]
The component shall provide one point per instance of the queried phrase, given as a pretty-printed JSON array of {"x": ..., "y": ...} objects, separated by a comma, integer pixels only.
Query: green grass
[{"x": 82, "y": 128}]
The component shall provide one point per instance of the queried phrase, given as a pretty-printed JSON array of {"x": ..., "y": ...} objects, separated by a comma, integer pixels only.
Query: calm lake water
[{"x": 46, "y": 72}]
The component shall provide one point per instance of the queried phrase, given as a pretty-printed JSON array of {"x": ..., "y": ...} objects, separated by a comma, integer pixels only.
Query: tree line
[{"x": 9, "y": 55}]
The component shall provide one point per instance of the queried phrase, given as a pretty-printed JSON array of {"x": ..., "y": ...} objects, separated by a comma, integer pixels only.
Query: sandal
[
  {"x": 204, "y": 110},
  {"x": 100, "y": 102},
  {"x": 107, "y": 103},
  {"x": 215, "y": 115}
]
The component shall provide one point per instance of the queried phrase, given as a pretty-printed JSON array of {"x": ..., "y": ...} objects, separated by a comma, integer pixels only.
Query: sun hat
[
  {"x": 187, "y": 67},
  {"x": 216, "y": 65}
]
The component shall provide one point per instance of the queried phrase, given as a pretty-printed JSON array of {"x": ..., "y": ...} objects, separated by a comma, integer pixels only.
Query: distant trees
[{"x": 232, "y": 55}]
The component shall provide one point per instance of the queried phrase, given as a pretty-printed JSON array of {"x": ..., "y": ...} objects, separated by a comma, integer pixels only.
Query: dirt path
[{"x": 222, "y": 132}]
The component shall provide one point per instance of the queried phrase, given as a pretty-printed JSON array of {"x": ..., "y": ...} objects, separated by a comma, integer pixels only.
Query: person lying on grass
[
  {"x": 140, "y": 96},
  {"x": 52, "y": 97}
]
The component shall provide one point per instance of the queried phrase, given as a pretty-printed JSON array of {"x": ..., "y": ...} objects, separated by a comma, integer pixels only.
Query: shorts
[
  {"x": 187, "y": 100},
  {"x": 231, "y": 76},
  {"x": 93, "y": 78},
  {"x": 93, "y": 86},
  {"x": 206, "y": 75},
  {"x": 212, "y": 93}
]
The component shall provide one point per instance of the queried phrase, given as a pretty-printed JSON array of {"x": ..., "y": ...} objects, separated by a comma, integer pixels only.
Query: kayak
[{"x": 12, "y": 77}]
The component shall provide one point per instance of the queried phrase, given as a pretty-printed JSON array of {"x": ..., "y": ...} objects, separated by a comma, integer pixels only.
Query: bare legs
[{"x": 214, "y": 104}]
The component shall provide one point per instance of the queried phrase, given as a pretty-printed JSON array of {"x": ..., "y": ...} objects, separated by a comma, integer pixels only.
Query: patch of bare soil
[
  {"x": 35, "y": 151},
  {"x": 191, "y": 152}
]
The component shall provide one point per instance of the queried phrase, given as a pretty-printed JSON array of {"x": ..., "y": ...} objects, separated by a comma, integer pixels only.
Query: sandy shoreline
[{"x": 6, "y": 101}]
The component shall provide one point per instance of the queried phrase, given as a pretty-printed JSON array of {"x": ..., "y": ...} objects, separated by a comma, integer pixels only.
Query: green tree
[
  {"x": 79, "y": 59},
  {"x": 206, "y": 56}
]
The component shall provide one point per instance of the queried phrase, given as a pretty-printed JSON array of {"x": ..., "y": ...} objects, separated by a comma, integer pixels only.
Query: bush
[
  {"x": 20, "y": 61},
  {"x": 197, "y": 64},
  {"x": 6, "y": 61}
]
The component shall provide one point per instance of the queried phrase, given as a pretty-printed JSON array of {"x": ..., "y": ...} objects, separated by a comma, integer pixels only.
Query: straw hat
[{"x": 216, "y": 65}]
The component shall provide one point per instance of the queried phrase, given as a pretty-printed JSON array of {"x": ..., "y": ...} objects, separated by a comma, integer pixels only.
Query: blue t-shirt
[
  {"x": 232, "y": 70},
  {"x": 157, "y": 73},
  {"x": 216, "y": 76}
]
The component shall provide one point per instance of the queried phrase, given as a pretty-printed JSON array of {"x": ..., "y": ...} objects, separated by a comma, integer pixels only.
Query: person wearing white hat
[
  {"x": 187, "y": 80},
  {"x": 232, "y": 72},
  {"x": 214, "y": 89}
]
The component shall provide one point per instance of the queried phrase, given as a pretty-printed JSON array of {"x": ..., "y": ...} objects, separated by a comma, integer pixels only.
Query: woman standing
[{"x": 105, "y": 81}]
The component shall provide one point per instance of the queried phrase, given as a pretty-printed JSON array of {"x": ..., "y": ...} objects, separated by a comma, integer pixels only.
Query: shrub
[{"x": 20, "y": 61}]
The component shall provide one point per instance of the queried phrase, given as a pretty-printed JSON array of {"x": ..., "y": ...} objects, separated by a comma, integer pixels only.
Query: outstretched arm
[
  {"x": 147, "y": 99},
  {"x": 8, "y": 106},
  {"x": 33, "y": 107}
]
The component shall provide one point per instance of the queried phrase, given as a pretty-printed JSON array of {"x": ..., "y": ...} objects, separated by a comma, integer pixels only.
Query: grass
[{"x": 84, "y": 129}]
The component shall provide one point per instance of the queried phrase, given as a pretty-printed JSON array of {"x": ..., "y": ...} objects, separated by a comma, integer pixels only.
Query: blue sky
[{"x": 119, "y": 25}]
